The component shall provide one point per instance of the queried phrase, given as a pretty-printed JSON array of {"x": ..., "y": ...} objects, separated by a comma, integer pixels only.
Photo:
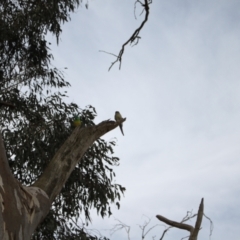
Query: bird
[
  {"x": 118, "y": 117},
  {"x": 76, "y": 122}
]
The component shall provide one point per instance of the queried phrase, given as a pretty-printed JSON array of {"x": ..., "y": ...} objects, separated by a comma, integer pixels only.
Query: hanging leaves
[{"x": 39, "y": 120}]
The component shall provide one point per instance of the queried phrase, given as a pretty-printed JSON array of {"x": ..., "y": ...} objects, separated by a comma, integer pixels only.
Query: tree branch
[
  {"x": 186, "y": 218},
  {"x": 194, "y": 234},
  {"x": 70, "y": 153},
  {"x": 193, "y": 230},
  {"x": 175, "y": 224},
  {"x": 23, "y": 208},
  {"x": 135, "y": 36}
]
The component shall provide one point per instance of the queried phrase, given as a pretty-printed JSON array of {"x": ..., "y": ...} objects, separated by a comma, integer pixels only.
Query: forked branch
[
  {"x": 135, "y": 36},
  {"x": 193, "y": 230}
]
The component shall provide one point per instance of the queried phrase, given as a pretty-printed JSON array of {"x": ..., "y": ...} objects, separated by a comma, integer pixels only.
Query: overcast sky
[{"x": 179, "y": 89}]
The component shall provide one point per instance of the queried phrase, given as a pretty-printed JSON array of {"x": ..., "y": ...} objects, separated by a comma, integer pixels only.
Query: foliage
[{"x": 41, "y": 120}]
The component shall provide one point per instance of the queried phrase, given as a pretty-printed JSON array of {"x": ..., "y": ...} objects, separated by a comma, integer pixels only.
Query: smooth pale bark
[
  {"x": 193, "y": 230},
  {"x": 22, "y": 208}
]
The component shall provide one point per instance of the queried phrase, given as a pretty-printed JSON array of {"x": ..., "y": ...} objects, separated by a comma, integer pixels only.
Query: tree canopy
[
  {"x": 36, "y": 120},
  {"x": 40, "y": 120}
]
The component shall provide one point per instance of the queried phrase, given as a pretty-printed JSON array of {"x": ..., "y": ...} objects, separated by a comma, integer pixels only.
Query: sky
[{"x": 179, "y": 89}]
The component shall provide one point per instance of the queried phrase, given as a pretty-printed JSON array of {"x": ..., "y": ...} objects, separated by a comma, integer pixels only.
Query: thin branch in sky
[
  {"x": 144, "y": 226},
  {"x": 211, "y": 225},
  {"x": 121, "y": 226},
  {"x": 135, "y": 36}
]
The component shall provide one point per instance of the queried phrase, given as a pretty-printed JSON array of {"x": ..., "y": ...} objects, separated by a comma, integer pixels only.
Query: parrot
[
  {"x": 76, "y": 122},
  {"x": 118, "y": 117}
]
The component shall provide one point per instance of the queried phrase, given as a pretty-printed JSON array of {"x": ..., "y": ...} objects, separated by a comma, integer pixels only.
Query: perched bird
[
  {"x": 118, "y": 117},
  {"x": 76, "y": 122}
]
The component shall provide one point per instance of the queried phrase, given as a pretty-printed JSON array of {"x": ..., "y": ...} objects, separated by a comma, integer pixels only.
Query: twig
[
  {"x": 121, "y": 226},
  {"x": 143, "y": 227},
  {"x": 135, "y": 36},
  {"x": 108, "y": 53},
  {"x": 211, "y": 225}
]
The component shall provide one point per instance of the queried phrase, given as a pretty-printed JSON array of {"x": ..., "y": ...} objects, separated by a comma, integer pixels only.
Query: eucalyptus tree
[{"x": 50, "y": 171}]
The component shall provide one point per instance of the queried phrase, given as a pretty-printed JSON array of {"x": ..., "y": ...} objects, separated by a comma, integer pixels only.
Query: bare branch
[
  {"x": 143, "y": 227},
  {"x": 135, "y": 36},
  {"x": 175, "y": 224},
  {"x": 121, "y": 226},
  {"x": 194, "y": 234},
  {"x": 184, "y": 237},
  {"x": 211, "y": 225},
  {"x": 108, "y": 53},
  {"x": 164, "y": 232},
  {"x": 193, "y": 230},
  {"x": 188, "y": 216}
]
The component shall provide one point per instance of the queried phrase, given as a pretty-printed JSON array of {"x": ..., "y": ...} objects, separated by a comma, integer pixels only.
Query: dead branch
[
  {"x": 194, "y": 234},
  {"x": 121, "y": 226},
  {"x": 193, "y": 230},
  {"x": 143, "y": 228},
  {"x": 175, "y": 224},
  {"x": 211, "y": 224},
  {"x": 135, "y": 36},
  {"x": 188, "y": 216}
]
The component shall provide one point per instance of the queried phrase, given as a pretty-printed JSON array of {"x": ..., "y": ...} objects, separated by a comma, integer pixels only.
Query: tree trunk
[{"x": 22, "y": 208}]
